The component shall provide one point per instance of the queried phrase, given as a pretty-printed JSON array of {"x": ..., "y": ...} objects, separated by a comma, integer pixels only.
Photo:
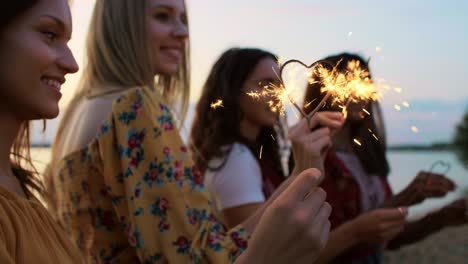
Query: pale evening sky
[{"x": 421, "y": 48}]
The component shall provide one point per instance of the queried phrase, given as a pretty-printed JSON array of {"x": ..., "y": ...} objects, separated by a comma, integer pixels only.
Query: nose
[
  {"x": 181, "y": 30},
  {"x": 67, "y": 61}
]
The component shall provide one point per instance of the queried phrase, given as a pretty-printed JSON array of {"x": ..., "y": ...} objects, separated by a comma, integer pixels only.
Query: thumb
[{"x": 301, "y": 186}]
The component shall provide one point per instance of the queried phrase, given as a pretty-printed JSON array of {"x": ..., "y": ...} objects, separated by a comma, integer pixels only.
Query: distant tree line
[
  {"x": 460, "y": 142},
  {"x": 440, "y": 146}
]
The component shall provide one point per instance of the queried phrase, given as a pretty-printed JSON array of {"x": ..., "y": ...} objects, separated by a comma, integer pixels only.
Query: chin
[
  {"x": 49, "y": 113},
  {"x": 169, "y": 69},
  {"x": 269, "y": 122}
]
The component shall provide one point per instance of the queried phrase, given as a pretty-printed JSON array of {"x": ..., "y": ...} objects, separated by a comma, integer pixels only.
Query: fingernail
[{"x": 403, "y": 210}]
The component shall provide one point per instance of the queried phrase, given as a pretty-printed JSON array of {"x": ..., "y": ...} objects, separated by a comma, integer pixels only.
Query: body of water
[{"x": 404, "y": 167}]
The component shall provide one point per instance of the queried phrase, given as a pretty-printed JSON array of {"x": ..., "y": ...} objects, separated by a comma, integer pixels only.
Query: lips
[
  {"x": 173, "y": 53},
  {"x": 54, "y": 83}
]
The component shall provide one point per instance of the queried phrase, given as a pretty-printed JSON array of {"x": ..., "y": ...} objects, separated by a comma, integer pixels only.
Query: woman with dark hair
[
  {"x": 365, "y": 214},
  {"x": 34, "y": 59},
  {"x": 241, "y": 145}
]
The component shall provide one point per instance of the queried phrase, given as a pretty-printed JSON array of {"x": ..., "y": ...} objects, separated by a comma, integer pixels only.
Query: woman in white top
[{"x": 239, "y": 145}]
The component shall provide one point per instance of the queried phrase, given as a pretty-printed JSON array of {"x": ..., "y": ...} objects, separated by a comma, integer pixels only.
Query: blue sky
[{"x": 422, "y": 49}]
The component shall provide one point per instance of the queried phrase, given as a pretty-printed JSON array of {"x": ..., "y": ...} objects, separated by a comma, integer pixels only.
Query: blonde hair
[{"x": 117, "y": 57}]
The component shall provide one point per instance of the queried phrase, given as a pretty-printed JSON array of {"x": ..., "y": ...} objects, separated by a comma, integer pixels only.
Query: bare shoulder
[{"x": 86, "y": 121}]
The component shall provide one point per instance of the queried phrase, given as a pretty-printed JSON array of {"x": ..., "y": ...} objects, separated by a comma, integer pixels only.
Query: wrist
[
  {"x": 350, "y": 232},
  {"x": 253, "y": 254},
  {"x": 401, "y": 199},
  {"x": 244, "y": 258}
]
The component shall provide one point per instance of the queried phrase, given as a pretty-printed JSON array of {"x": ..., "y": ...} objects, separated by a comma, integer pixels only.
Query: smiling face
[
  {"x": 257, "y": 111},
  {"x": 168, "y": 33},
  {"x": 34, "y": 59}
]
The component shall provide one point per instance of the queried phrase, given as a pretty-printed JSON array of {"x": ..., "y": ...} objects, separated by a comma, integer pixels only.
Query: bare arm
[
  {"x": 424, "y": 185},
  {"x": 231, "y": 217},
  {"x": 341, "y": 239},
  {"x": 415, "y": 231},
  {"x": 453, "y": 214}
]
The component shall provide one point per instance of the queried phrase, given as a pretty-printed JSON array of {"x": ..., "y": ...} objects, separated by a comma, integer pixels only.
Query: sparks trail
[{"x": 218, "y": 103}]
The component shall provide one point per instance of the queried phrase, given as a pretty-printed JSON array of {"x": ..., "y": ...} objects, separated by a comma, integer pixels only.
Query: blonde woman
[{"x": 123, "y": 183}]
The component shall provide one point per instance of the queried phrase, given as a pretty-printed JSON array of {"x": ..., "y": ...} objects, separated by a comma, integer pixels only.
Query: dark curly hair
[
  {"x": 372, "y": 153},
  {"x": 213, "y": 129},
  {"x": 21, "y": 162}
]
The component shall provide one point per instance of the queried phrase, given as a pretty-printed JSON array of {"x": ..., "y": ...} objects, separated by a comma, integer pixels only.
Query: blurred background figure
[
  {"x": 242, "y": 145},
  {"x": 356, "y": 181}
]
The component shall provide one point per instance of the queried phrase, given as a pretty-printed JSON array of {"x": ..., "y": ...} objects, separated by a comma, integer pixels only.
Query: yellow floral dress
[{"x": 134, "y": 196}]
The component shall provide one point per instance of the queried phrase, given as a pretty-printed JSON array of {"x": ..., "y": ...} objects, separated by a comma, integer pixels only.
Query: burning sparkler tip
[
  {"x": 357, "y": 142},
  {"x": 218, "y": 103}
]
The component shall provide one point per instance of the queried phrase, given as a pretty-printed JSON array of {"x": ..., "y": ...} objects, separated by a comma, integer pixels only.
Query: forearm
[
  {"x": 341, "y": 239},
  {"x": 415, "y": 231},
  {"x": 404, "y": 198}
]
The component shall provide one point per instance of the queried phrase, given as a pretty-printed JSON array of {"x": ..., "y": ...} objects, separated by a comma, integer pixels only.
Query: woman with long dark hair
[
  {"x": 34, "y": 59},
  {"x": 242, "y": 146},
  {"x": 366, "y": 213}
]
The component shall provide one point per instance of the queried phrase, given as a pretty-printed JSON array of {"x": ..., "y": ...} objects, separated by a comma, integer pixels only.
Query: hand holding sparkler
[
  {"x": 309, "y": 149},
  {"x": 424, "y": 186}
]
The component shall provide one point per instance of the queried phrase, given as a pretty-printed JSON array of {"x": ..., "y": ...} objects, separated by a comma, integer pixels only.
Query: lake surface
[
  {"x": 404, "y": 167},
  {"x": 406, "y": 164}
]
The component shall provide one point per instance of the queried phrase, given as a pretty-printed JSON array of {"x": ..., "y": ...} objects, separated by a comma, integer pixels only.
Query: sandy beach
[{"x": 449, "y": 246}]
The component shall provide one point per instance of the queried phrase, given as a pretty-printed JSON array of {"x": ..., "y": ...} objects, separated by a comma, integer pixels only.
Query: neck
[
  {"x": 249, "y": 130},
  {"x": 9, "y": 127}
]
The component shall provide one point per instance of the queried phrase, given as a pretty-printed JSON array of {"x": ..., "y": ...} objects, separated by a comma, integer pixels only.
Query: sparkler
[
  {"x": 281, "y": 93},
  {"x": 218, "y": 103},
  {"x": 345, "y": 87},
  {"x": 352, "y": 85},
  {"x": 357, "y": 142},
  {"x": 370, "y": 131}
]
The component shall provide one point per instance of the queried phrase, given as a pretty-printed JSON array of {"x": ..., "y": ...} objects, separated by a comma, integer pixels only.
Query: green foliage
[{"x": 461, "y": 139}]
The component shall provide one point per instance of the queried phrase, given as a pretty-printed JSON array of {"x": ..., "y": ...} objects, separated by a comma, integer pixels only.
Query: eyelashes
[
  {"x": 166, "y": 17},
  {"x": 49, "y": 34}
]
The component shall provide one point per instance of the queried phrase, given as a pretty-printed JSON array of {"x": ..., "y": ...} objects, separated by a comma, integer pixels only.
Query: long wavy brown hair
[
  {"x": 20, "y": 154},
  {"x": 213, "y": 129},
  {"x": 372, "y": 153}
]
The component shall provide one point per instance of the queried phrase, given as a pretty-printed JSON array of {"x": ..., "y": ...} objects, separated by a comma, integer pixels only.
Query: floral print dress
[{"x": 134, "y": 196}]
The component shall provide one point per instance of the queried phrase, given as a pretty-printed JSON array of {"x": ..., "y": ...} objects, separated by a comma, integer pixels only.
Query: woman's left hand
[{"x": 424, "y": 185}]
